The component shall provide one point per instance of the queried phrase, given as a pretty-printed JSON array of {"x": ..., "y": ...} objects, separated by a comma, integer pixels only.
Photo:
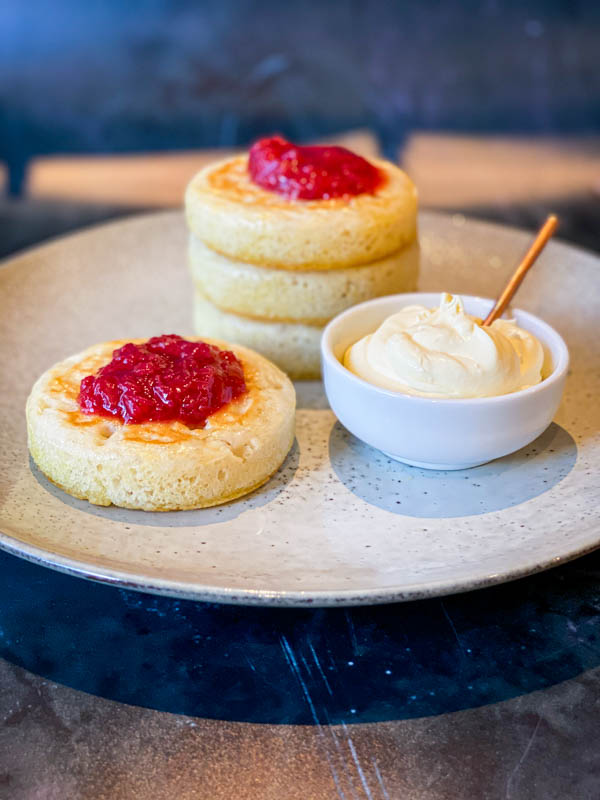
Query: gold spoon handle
[{"x": 528, "y": 261}]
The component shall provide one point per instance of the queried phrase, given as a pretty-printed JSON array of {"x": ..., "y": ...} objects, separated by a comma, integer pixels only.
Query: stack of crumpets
[{"x": 284, "y": 239}]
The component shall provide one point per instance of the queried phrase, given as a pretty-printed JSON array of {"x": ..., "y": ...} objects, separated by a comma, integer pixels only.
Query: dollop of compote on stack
[{"x": 286, "y": 237}]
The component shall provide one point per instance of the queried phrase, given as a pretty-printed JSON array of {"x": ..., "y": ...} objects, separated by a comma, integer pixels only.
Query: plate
[{"x": 340, "y": 523}]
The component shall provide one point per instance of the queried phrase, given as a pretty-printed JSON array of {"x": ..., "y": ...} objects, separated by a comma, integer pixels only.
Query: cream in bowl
[
  {"x": 418, "y": 377},
  {"x": 445, "y": 352}
]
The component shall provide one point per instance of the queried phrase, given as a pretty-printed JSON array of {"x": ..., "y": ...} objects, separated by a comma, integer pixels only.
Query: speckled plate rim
[
  {"x": 315, "y": 599},
  {"x": 300, "y": 599}
]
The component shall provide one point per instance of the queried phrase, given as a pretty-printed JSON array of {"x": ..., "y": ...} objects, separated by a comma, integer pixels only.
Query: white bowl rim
[{"x": 560, "y": 367}]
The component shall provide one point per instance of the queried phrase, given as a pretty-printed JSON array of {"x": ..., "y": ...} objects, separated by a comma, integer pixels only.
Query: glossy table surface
[{"x": 117, "y": 695}]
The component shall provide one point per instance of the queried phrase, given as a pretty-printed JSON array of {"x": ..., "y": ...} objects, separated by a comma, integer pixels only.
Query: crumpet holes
[{"x": 106, "y": 430}]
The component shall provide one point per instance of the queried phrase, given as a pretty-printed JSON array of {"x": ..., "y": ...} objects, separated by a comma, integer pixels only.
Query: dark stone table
[
  {"x": 106, "y": 693},
  {"x": 114, "y": 695}
]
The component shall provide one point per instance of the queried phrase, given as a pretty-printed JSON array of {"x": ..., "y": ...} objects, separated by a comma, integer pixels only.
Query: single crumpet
[
  {"x": 162, "y": 424},
  {"x": 284, "y": 206},
  {"x": 297, "y": 296}
]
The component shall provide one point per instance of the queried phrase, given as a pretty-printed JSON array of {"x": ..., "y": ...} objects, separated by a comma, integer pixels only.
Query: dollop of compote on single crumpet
[
  {"x": 162, "y": 424},
  {"x": 242, "y": 220}
]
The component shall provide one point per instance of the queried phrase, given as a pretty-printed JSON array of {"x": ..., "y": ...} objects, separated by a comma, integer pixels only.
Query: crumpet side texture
[
  {"x": 294, "y": 347},
  {"x": 310, "y": 297}
]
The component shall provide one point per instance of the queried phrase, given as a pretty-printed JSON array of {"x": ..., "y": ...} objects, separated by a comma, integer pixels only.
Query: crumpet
[
  {"x": 235, "y": 217},
  {"x": 160, "y": 466},
  {"x": 310, "y": 297}
]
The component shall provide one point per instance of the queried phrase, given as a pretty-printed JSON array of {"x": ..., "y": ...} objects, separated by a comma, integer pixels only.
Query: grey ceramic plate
[{"x": 340, "y": 523}]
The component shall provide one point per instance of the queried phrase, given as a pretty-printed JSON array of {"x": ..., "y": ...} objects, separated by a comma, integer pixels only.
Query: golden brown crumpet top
[
  {"x": 242, "y": 221},
  {"x": 160, "y": 466}
]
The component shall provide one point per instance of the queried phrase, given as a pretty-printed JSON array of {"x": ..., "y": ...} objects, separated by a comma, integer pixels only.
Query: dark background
[{"x": 113, "y": 76}]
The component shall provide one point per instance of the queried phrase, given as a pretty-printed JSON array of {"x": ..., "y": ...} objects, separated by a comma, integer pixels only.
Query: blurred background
[{"x": 107, "y": 108}]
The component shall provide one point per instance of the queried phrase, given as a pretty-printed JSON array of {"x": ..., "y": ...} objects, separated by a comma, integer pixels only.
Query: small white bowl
[{"x": 433, "y": 433}]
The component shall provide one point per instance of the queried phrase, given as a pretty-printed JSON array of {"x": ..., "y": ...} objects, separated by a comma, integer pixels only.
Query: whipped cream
[{"x": 444, "y": 352}]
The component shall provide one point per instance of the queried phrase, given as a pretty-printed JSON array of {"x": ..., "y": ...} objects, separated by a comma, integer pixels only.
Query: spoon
[{"x": 540, "y": 241}]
